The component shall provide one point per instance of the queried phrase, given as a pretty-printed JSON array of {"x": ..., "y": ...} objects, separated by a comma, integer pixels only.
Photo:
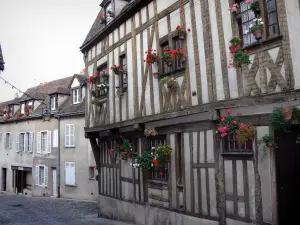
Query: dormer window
[
  {"x": 53, "y": 102},
  {"x": 77, "y": 95},
  {"x": 109, "y": 12},
  {"x": 22, "y": 108}
]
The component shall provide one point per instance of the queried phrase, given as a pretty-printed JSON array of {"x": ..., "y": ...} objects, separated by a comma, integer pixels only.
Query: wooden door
[
  {"x": 288, "y": 174},
  {"x": 4, "y": 175}
]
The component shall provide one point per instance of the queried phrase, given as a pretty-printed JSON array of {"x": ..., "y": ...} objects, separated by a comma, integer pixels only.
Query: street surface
[{"x": 22, "y": 210}]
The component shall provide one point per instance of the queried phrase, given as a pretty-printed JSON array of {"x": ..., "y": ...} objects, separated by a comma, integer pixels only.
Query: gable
[{"x": 75, "y": 83}]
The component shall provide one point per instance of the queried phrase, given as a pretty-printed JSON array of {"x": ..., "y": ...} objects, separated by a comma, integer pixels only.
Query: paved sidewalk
[{"x": 25, "y": 210}]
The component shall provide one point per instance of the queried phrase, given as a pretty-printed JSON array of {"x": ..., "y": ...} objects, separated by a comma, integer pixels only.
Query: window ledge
[
  {"x": 257, "y": 45},
  {"x": 236, "y": 153},
  {"x": 70, "y": 185},
  {"x": 69, "y": 146},
  {"x": 92, "y": 179}
]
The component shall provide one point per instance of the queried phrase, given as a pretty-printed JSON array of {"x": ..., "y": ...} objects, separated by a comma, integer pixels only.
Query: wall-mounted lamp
[{"x": 46, "y": 115}]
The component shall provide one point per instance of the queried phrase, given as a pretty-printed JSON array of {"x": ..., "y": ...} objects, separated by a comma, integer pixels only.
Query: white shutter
[
  {"x": 38, "y": 142},
  {"x": 46, "y": 175},
  {"x": 17, "y": 142},
  {"x": 10, "y": 140},
  {"x": 26, "y": 137},
  {"x": 55, "y": 138},
  {"x": 67, "y": 173},
  {"x": 67, "y": 134},
  {"x": 72, "y": 135},
  {"x": 72, "y": 173},
  {"x": 48, "y": 142},
  {"x": 30, "y": 142},
  {"x": 37, "y": 175}
]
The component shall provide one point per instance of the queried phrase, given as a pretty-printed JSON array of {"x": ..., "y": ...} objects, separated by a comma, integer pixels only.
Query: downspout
[{"x": 58, "y": 160}]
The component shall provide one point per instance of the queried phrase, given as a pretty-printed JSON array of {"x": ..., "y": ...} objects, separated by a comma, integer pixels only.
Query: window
[
  {"x": 69, "y": 135},
  {"x": 109, "y": 13},
  {"x": 23, "y": 108},
  {"x": 76, "y": 95},
  {"x": 70, "y": 173},
  {"x": 166, "y": 69},
  {"x": 163, "y": 173},
  {"x": 269, "y": 16},
  {"x": 123, "y": 75},
  {"x": 55, "y": 138},
  {"x": 43, "y": 143},
  {"x": 54, "y": 103},
  {"x": 10, "y": 111},
  {"x": 92, "y": 172},
  {"x": 231, "y": 145},
  {"x": 41, "y": 175},
  {"x": 8, "y": 140},
  {"x": 178, "y": 62},
  {"x": 103, "y": 82}
]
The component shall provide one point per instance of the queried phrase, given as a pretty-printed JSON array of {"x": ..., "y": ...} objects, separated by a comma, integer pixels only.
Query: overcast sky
[{"x": 40, "y": 40}]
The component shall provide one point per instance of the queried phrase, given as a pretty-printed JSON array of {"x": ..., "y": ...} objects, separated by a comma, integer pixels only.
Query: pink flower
[
  {"x": 224, "y": 135},
  {"x": 234, "y": 122},
  {"x": 111, "y": 151},
  {"x": 220, "y": 129},
  {"x": 242, "y": 125},
  {"x": 249, "y": 1},
  {"x": 228, "y": 111},
  {"x": 238, "y": 113},
  {"x": 227, "y": 125},
  {"x": 223, "y": 119},
  {"x": 225, "y": 129}
]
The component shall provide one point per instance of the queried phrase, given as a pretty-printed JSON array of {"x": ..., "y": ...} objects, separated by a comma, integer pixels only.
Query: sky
[{"x": 40, "y": 40}]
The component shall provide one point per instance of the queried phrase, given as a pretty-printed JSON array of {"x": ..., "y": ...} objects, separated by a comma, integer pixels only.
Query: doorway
[
  {"x": 4, "y": 177},
  {"x": 288, "y": 174},
  {"x": 54, "y": 185}
]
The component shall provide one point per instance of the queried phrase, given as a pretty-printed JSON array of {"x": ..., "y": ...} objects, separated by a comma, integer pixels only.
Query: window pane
[
  {"x": 272, "y": 18},
  {"x": 274, "y": 30},
  {"x": 271, "y": 5}
]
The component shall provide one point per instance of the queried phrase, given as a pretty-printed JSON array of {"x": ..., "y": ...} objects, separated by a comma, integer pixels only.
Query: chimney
[{"x": 17, "y": 95}]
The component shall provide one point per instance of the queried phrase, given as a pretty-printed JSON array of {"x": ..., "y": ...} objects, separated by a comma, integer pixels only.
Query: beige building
[
  {"x": 208, "y": 181},
  {"x": 29, "y": 145}
]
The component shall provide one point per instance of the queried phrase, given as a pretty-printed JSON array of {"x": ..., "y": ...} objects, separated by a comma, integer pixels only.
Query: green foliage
[
  {"x": 166, "y": 56},
  {"x": 268, "y": 142},
  {"x": 164, "y": 150},
  {"x": 240, "y": 57},
  {"x": 256, "y": 27},
  {"x": 244, "y": 133},
  {"x": 235, "y": 41},
  {"x": 229, "y": 122},
  {"x": 169, "y": 81},
  {"x": 254, "y": 6},
  {"x": 278, "y": 122},
  {"x": 145, "y": 161}
]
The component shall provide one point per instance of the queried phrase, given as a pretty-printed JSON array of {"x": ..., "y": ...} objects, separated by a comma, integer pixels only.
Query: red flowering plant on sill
[
  {"x": 93, "y": 79},
  {"x": 167, "y": 57},
  {"x": 180, "y": 54},
  {"x": 151, "y": 56},
  {"x": 231, "y": 125},
  {"x": 238, "y": 58},
  {"x": 182, "y": 32},
  {"x": 116, "y": 69},
  {"x": 102, "y": 18},
  {"x": 28, "y": 110}
]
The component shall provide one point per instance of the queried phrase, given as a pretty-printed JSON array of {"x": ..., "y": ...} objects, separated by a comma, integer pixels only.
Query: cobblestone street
[{"x": 21, "y": 210}]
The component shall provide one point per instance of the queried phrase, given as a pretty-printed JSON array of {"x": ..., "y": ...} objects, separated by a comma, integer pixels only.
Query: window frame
[
  {"x": 68, "y": 136},
  {"x": 76, "y": 98},
  {"x": 230, "y": 140},
  {"x": 92, "y": 174},
  {"x": 99, "y": 93},
  {"x": 39, "y": 175},
  {"x": 124, "y": 75},
  {"x": 106, "y": 7},
  {"x": 9, "y": 140},
  {"x": 70, "y": 184},
  {"x": 265, "y": 16},
  {"x": 53, "y": 102}
]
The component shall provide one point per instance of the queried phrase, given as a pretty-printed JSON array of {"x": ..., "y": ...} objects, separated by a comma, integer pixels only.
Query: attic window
[
  {"x": 76, "y": 95},
  {"x": 54, "y": 102},
  {"x": 109, "y": 12}
]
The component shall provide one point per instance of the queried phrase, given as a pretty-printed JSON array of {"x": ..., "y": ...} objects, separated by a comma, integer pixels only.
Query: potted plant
[
  {"x": 93, "y": 79},
  {"x": 255, "y": 7},
  {"x": 235, "y": 10},
  {"x": 238, "y": 58},
  {"x": 164, "y": 150},
  {"x": 182, "y": 32},
  {"x": 116, "y": 69},
  {"x": 244, "y": 133},
  {"x": 103, "y": 18},
  {"x": 257, "y": 28},
  {"x": 283, "y": 118},
  {"x": 167, "y": 57},
  {"x": 180, "y": 55},
  {"x": 235, "y": 44},
  {"x": 287, "y": 113},
  {"x": 103, "y": 86},
  {"x": 124, "y": 148},
  {"x": 150, "y": 132},
  {"x": 169, "y": 81},
  {"x": 268, "y": 141},
  {"x": 110, "y": 13},
  {"x": 228, "y": 124},
  {"x": 104, "y": 74},
  {"x": 152, "y": 59}
]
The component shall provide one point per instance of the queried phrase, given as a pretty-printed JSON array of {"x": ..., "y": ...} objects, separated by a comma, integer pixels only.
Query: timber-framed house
[{"x": 182, "y": 98}]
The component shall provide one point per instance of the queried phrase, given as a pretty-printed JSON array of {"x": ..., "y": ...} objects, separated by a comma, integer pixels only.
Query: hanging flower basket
[
  {"x": 255, "y": 7},
  {"x": 116, "y": 69},
  {"x": 182, "y": 32},
  {"x": 124, "y": 149},
  {"x": 235, "y": 10},
  {"x": 102, "y": 18},
  {"x": 235, "y": 44},
  {"x": 167, "y": 57},
  {"x": 170, "y": 82},
  {"x": 288, "y": 113}
]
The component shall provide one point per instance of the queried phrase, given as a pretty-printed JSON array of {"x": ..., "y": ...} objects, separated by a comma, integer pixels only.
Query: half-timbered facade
[{"x": 207, "y": 181}]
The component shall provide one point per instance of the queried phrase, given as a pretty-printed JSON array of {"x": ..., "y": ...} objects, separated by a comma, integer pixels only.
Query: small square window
[{"x": 231, "y": 145}]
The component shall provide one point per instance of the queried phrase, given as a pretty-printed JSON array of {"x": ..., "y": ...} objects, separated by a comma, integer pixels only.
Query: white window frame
[
  {"x": 23, "y": 108},
  {"x": 48, "y": 143},
  {"x": 69, "y": 180},
  {"x": 53, "y": 102},
  {"x": 69, "y": 136},
  {"x": 76, "y": 95},
  {"x": 28, "y": 142},
  {"x": 38, "y": 181},
  {"x": 9, "y": 144},
  {"x": 55, "y": 139}
]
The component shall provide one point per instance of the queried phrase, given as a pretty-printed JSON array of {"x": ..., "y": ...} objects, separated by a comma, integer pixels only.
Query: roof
[
  {"x": 41, "y": 91},
  {"x": 97, "y": 28},
  {"x": 68, "y": 108}
]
